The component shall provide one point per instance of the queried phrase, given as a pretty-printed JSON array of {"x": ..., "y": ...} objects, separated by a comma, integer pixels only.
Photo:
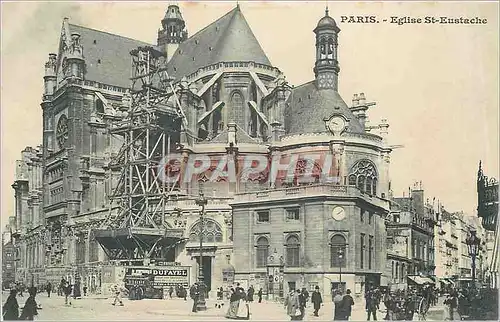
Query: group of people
[
  {"x": 296, "y": 303},
  {"x": 11, "y": 306}
]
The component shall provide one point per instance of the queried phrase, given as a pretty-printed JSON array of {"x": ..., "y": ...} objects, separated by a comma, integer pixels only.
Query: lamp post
[
  {"x": 341, "y": 256},
  {"x": 473, "y": 243},
  {"x": 201, "y": 306}
]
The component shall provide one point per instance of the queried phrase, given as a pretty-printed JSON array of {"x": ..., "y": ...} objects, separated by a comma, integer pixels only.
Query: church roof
[
  {"x": 308, "y": 106},
  {"x": 107, "y": 56},
  {"x": 229, "y": 38}
]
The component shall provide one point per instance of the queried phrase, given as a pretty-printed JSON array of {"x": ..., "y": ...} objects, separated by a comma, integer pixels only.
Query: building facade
[
  {"x": 233, "y": 99},
  {"x": 28, "y": 227},
  {"x": 301, "y": 229},
  {"x": 410, "y": 238}
]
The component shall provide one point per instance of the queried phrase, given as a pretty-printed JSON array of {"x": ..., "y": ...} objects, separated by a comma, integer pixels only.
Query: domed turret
[
  {"x": 326, "y": 68},
  {"x": 173, "y": 30}
]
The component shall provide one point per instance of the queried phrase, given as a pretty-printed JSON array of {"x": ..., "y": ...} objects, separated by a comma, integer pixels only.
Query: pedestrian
[
  {"x": 30, "y": 307},
  {"x": 316, "y": 300},
  {"x": 48, "y": 289},
  {"x": 250, "y": 293},
  {"x": 347, "y": 303},
  {"x": 170, "y": 291},
  {"x": 371, "y": 305},
  {"x": 306, "y": 295},
  {"x": 66, "y": 289},
  {"x": 62, "y": 287},
  {"x": 337, "y": 302},
  {"x": 220, "y": 298},
  {"x": 117, "y": 291},
  {"x": 302, "y": 304},
  {"x": 85, "y": 290},
  {"x": 292, "y": 306},
  {"x": 194, "y": 293},
  {"x": 259, "y": 294},
  {"x": 11, "y": 307},
  {"x": 452, "y": 303}
]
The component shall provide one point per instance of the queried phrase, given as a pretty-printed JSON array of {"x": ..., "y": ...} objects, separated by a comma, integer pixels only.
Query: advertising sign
[{"x": 160, "y": 277}]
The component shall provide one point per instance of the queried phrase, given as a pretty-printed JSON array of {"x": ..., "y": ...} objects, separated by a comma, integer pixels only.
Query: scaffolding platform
[{"x": 136, "y": 242}]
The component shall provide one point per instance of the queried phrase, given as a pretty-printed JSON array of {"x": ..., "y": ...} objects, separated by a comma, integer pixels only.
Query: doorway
[{"x": 207, "y": 271}]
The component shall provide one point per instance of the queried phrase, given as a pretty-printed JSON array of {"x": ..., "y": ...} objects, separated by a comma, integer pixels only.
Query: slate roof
[
  {"x": 229, "y": 38},
  {"x": 111, "y": 50},
  {"x": 309, "y": 106}
]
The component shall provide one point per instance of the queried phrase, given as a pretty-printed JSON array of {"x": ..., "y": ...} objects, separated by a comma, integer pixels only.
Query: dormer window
[
  {"x": 95, "y": 41},
  {"x": 197, "y": 41},
  {"x": 210, "y": 48}
]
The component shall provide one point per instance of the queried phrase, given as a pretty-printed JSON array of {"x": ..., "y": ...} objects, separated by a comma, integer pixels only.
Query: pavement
[{"x": 96, "y": 307}]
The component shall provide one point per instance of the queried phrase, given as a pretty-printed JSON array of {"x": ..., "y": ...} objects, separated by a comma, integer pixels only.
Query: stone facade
[{"x": 410, "y": 232}]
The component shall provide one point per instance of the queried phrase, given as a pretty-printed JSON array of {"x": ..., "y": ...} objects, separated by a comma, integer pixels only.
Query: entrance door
[{"x": 207, "y": 271}]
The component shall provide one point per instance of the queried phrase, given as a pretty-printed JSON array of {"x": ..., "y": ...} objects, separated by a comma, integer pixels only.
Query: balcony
[{"x": 317, "y": 190}]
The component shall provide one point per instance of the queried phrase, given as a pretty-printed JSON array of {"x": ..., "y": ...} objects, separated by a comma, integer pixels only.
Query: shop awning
[
  {"x": 445, "y": 281},
  {"x": 420, "y": 280}
]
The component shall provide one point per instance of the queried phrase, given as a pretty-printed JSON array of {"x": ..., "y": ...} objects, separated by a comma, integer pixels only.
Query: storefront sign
[{"x": 159, "y": 276}]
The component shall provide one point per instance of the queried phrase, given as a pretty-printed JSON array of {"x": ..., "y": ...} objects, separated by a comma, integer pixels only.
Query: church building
[{"x": 237, "y": 106}]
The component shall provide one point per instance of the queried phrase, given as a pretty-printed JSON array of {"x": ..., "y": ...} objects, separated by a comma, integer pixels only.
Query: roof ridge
[{"x": 107, "y": 32}]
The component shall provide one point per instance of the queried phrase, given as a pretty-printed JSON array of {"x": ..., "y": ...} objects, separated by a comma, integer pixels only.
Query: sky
[{"x": 437, "y": 85}]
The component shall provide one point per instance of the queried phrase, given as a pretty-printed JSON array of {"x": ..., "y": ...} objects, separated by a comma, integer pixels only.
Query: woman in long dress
[
  {"x": 234, "y": 301},
  {"x": 11, "y": 307},
  {"x": 292, "y": 306}
]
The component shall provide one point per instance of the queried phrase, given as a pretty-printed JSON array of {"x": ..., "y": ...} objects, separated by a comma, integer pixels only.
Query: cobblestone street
[{"x": 100, "y": 308}]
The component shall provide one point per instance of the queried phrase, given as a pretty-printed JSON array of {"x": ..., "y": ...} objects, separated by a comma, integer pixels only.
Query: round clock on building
[
  {"x": 338, "y": 213},
  {"x": 62, "y": 131},
  {"x": 336, "y": 124}
]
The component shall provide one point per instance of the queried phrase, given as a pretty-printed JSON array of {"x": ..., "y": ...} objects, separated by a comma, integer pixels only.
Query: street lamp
[
  {"x": 201, "y": 306},
  {"x": 341, "y": 255},
  {"x": 473, "y": 243}
]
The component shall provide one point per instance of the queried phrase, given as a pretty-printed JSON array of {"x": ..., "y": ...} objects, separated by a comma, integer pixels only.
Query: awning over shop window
[{"x": 417, "y": 279}]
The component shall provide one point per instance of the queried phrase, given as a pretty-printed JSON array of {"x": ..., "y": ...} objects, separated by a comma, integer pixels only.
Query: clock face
[
  {"x": 338, "y": 213},
  {"x": 336, "y": 124},
  {"x": 62, "y": 131}
]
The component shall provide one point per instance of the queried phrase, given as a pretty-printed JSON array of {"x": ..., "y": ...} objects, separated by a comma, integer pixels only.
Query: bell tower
[
  {"x": 326, "y": 68},
  {"x": 173, "y": 31}
]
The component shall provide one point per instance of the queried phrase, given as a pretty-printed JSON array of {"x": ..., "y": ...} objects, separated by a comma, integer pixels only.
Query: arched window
[
  {"x": 93, "y": 249},
  {"x": 237, "y": 113},
  {"x": 212, "y": 232},
  {"x": 364, "y": 176},
  {"x": 262, "y": 251},
  {"x": 99, "y": 107},
  {"x": 338, "y": 246},
  {"x": 292, "y": 251}
]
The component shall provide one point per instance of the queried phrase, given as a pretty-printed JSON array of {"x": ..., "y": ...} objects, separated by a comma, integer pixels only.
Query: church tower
[
  {"x": 326, "y": 68},
  {"x": 173, "y": 31}
]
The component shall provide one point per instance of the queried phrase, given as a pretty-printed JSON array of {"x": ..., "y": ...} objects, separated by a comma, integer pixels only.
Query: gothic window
[
  {"x": 262, "y": 251},
  {"x": 80, "y": 249},
  {"x": 338, "y": 246},
  {"x": 212, "y": 232},
  {"x": 363, "y": 175},
  {"x": 93, "y": 249},
  {"x": 237, "y": 111},
  {"x": 292, "y": 251}
]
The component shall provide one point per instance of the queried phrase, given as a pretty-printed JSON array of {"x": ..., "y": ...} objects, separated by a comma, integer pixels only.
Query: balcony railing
[{"x": 309, "y": 191}]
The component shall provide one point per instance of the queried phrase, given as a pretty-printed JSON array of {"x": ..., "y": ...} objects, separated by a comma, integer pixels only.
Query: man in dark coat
[
  {"x": 49, "y": 289},
  {"x": 30, "y": 307},
  {"x": 316, "y": 300},
  {"x": 371, "y": 305},
  {"x": 250, "y": 293},
  {"x": 194, "y": 293},
  {"x": 259, "y": 294},
  {"x": 347, "y": 303}
]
